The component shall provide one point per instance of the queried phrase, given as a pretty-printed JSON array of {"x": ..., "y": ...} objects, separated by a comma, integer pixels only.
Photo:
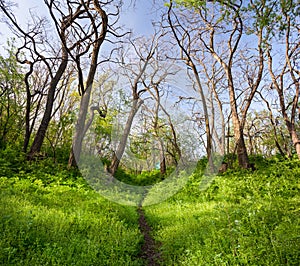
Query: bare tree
[
  {"x": 38, "y": 50},
  {"x": 173, "y": 138},
  {"x": 92, "y": 36},
  {"x": 135, "y": 72},
  {"x": 184, "y": 39},
  {"x": 285, "y": 79},
  {"x": 217, "y": 31},
  {"x": 144, "y": 65},
  {"x": 274, "y": 124}
]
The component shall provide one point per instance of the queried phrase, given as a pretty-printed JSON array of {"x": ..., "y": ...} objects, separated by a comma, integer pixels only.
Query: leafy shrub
[
  {"x": 143, "y": 179},
  {"x": 11, "y": 161}
]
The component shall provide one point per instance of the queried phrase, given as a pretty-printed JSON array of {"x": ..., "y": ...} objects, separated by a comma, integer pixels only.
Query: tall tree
[
  {"x": 135, "y": 73},
  {"x": 148, "y": 70},
  {"x": 184, "y": 40},
  {"x": 92, "y": 36},
  {"x": 37, "y": 49},
  {"x": 221, "y": 27},
  {"x": 283, "y": 20}
]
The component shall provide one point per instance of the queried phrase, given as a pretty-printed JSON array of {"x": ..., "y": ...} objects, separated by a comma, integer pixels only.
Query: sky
[
  {"x": 22, "y": 14},
  {"x": 137, "y": 17}
]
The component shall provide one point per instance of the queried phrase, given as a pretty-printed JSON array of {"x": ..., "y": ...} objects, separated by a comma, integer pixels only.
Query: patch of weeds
[
  {"x": 50, "y": 220},
  {"x": 242, "y": 218}
]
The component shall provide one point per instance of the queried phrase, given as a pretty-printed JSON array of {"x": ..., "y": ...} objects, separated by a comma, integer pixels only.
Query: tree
[
  {"x": 184, "y": 40},
  {"x": 272, "y": 128},
  {"x": 147, "y": 69},
  {"x": 221, "y": 24},
  {"x": 81, "y": 27},
  {"x": 12, "y": 102},
  {"x": 93, "y": 36},
  {"x": 38, "y": 50},
  {"x": 285, "y": 78},
  {"x": 135, "y": 73},
  {"x": 60, "y": 130}
]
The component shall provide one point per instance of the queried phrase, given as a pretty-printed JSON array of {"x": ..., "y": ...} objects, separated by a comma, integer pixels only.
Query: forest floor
[
  {"x": 49, "y": 215},
  {"x": 149, "y": 250}
]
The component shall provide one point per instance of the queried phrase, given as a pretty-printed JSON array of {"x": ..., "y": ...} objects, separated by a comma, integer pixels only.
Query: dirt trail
[{"x": 149, "y": 250}]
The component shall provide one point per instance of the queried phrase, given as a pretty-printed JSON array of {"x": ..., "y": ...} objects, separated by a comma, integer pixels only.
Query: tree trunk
[
  {"x": 238, "y": 130},
  {"x": 162, "y": 159},
  {"x": 122, "y": 144},
  {"x": 206, "y": 116},
  {"x": 80, "y": 128},
  {"x": 28, "y": 130},
  {"x": 295, "y": 139},
  {"x": 238, "y": 126},
  {"x": 40, "y": 135},
  {"x": 163, "y": 167},
  {"x": 27, "y": 123},
  {"x": 297, "y": 147},
  {"x": 242, "y": 154}
]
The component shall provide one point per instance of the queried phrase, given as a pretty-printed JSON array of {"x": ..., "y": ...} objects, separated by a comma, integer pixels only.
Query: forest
[{"x": 162, "y": 132}]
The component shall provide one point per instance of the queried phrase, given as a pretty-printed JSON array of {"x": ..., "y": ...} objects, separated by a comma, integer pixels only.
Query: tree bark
[
  {"x": 162, "y": 165},
  {"x": 80, "y": 128},
  {"x": 186, "y": 55},
  {"x": 161, "y": 146},
  {"x": 296, "y": 141},
  {"x": 118, "y": 154},
  {"x": 40, "y": 135}
]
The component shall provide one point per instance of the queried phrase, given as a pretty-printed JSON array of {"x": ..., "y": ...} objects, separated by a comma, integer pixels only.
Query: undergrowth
[
  {"x": 49, "y": 216},
  {"x": 242, "y": 218}
]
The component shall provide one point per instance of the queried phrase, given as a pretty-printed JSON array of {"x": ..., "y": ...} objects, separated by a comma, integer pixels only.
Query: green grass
[
  {"x": 243, "y": 218},
  {"x": 50, "y": 216},
  {"x": 55, "y": 219}
]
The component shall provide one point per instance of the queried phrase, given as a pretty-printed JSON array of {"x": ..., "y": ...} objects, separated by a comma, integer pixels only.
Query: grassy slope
[
  {"x": 243, "y": 218},
  {"x": 54, "y": 219},
  {"x": 50, "y": 217}
]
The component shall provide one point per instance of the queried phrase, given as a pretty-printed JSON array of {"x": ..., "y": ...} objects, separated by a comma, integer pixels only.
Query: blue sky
[
  {"x": 139, "y": 17},
  {"x": 136, "y": 17}
]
